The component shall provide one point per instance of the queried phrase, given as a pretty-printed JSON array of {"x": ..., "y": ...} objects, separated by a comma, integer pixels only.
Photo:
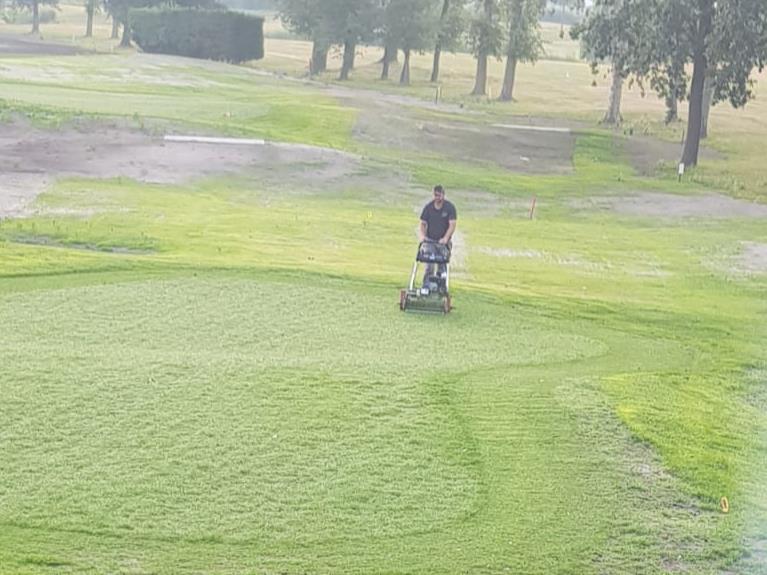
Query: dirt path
[{"x": 26, "y": 46}]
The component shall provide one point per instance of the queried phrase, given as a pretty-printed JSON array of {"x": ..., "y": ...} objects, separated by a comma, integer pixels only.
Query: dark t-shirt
[{"x": 437, "y": 221}]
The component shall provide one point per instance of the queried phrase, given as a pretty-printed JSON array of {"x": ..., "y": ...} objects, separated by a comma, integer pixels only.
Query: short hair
[{"x": 439, "y": 189}]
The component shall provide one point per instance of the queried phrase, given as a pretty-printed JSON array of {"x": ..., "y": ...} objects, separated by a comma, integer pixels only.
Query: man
[{"x": 438, "y": 219}]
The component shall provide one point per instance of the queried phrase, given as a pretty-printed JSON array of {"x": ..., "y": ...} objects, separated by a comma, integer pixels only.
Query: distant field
[
  {"x": 204, "y": 366},
  {"x": 559, "y": 85}
]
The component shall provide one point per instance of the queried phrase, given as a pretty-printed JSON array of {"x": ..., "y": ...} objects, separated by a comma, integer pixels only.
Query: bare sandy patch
[
  {"x": 672, "y": 206},
  {"x": 522, "y": 151},
  {"x": 32, "y": 158}
]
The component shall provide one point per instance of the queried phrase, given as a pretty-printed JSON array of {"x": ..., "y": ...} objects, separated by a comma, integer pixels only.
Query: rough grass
[{"x": 214, "y": 377}]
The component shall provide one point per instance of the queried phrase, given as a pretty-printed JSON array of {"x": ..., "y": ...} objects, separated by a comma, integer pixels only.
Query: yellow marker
[{"x": 724, "y": 505}]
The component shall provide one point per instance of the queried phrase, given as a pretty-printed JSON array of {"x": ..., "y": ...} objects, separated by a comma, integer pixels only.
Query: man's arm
[
  {"x": 422, "y": 231},
  {"x": 449, "y": 233}
]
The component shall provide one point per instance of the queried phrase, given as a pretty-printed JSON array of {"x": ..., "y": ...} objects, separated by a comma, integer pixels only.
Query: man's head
[{"x": 439, "y": 194}]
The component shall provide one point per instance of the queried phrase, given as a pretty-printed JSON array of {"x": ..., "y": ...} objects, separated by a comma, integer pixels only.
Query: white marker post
[{"x": 681, "y": 170}]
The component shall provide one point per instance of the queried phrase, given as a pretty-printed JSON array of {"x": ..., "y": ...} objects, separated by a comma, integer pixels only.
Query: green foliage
[
  {"x": 411, "y": 24},
  {"x": 351, "y": 21},
  {"x": 524, "y": 41},
  {"x": 211, "y": 34},
  {"x": 619, "y": 32},
  {"x": 486, "y": 34},
  {"x": 453, "y": 25},
  {"x": 306, "y": 18}
]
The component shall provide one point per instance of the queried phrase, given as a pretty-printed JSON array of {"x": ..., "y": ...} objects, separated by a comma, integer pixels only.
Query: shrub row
[{"x": 208, "y": 34}]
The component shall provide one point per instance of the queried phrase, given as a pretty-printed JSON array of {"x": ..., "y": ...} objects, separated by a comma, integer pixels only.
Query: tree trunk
[
  {"x": 480, "y": 84},
  {"x": 125, "y": 42},
  {"x": 672, "y": 107},
  {"x": 708, "y": 96},
  {"x": 404, "y": 78},
  {"x": 613, "y": 115},
  {"x": 390, "y": 55},
  {"x": 385, "y": 69},
  {"x": 319, "y": 61},
  {"x": 512, "y": 52},
  {"x": 507, "y": 93},
  {"x": 700, "y": 64},
  {"x": 115, "y": 28},
  {"x": 348, "y": 62},
  {"x": 35, "y": 17},
  {"x": 438, "y": 47},
  {"x": 90, "y": 9},
  {"x": 435, "y": 65}
]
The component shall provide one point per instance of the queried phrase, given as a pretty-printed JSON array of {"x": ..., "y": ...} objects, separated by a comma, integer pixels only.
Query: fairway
[{"x": 204, "y": 368}]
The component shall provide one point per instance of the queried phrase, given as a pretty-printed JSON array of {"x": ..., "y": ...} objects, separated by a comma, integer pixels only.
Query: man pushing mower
[{"x": 437, "y": 225}]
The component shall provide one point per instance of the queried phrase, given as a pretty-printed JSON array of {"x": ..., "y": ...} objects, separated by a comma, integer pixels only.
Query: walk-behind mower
[{"x": 433, "y": 296}]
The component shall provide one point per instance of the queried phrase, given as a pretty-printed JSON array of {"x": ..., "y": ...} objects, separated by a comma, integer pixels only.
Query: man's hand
[{"x": 443, "y": 241}]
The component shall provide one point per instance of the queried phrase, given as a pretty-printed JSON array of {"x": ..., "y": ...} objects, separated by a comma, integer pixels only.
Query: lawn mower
[{"x": 433, "y": 296}]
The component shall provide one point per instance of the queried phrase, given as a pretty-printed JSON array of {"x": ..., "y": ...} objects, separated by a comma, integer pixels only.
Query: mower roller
[{"x": 433, "y": 296}]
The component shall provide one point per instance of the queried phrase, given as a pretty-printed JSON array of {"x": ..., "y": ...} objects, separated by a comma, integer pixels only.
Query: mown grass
[
  {"x": 214, "y": 377},
  {"x": 237, "y": 103}
]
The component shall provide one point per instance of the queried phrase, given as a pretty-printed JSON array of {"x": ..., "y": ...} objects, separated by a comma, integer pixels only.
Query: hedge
[{"x": 207, "y": 34}]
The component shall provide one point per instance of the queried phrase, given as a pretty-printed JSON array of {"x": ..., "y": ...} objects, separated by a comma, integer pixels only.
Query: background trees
[
  {"x": 33, "y": 6},
  {"x": 701, "y": 51},
  {"x": 524, "y": 41}
]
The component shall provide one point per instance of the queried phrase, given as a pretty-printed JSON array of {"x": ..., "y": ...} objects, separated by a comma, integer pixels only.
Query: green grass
[
  {"x": 214, "y": 377},
  {"x": 235, "y": 103}
]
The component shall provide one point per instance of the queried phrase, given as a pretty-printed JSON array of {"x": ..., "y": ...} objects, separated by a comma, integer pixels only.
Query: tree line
[
  {"x": 507, "y": 29},
  {"x": 701, "y": 51}
]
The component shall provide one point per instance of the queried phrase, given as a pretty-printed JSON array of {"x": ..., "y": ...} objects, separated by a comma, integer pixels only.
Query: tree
[
  {"x": 411, "y": 25},
  {"x": 725, "y": 40},
  {"x": 350, "y": 23},
  {"x": 308, "y": 18},
  {"x": 119, "y": 10},
  {"x": 91, "y": 7},
  {"x": 388, "y": 58},
  {"x": 524, "y": 43},
  {"x": 618, "y": 32},
  {"x": 663, "y": 62},
  {"x": 452, "y": 24},
  {"x": 34, "y": 7},
  {"x": 115, "y": 27},
  {"x": 486, "y": 38}
]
